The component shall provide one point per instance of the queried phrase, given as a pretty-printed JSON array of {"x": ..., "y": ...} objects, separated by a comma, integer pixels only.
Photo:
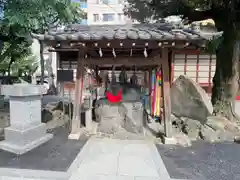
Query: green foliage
[
  {"x": 40, "y": 15},
  {"x": 139, "y": 10},
  {"x": 21, "y": 17},
  {"x": 222, "y": 12},
  {"x": 19, "y": 58},
  {"x": 28, "y": 64}
]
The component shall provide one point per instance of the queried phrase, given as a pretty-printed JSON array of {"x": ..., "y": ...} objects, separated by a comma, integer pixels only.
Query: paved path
[
  {"x": 110, "y": 159},
  {"x": 237, "y": 107}
]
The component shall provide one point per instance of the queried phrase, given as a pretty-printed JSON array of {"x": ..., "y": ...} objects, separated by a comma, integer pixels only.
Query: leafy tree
[
  {"x": 22, "y": 17},
  {"x": 226, "y": 15}
]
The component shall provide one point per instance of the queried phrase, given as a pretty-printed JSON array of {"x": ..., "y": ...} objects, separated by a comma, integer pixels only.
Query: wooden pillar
[
  {"x": 76, "y": 119},
  {"x": 150, "y": 89},
  {"x": 166, "y": 94},
  {"x": 97, "y": 82}
]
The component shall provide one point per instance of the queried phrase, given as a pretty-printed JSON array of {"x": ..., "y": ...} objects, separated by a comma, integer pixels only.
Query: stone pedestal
[
  {"x": 169, "y": 140},
  {"x": 88, "y": 113},
  {"x": 26, "y": 130}
]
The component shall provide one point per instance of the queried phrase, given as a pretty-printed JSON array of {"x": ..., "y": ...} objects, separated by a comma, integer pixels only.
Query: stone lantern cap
[{"x": 22, "y": 90}]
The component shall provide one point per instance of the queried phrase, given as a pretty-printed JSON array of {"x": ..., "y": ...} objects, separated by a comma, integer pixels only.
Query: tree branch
[
  {"x": 6, "y": 53},
  {"x": 195, "y": 15},
  {"x": 181, "y": 8}
]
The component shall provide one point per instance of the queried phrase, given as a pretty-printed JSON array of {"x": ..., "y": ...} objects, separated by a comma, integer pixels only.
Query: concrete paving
[
  {"x": 103, "y": 159},
  {"x": 237, "y": 107},
  {"x": 112, "y": 159}
]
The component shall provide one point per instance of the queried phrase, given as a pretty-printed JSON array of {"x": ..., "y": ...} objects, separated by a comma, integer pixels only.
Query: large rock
[
  {"x": 191, "y": 128},
  {"x": 130, "y": 92},
  {"x": 188, "y": 99},
  {"x": 110, "y": 118},
  {"x": 208, "y": 134},
  {"x": 126, "y": 116},
  {"x": 216, "y": 129},
  {"x": 134, "y": 117},
  {"x": 222, "y": 123},
  {"x": 55, "y": 114}
]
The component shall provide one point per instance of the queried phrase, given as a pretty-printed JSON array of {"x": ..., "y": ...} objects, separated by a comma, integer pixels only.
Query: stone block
[
  {"x": 88, "y": 119},
  {"x": 22, "y": 90},
  {"x": 22, "y": 138},
  {"x": 26, "y": 130},
  {"x": 16, "y": 149},
  {"x": 169, "y": 140},
  {"x": 134, "y": 117},
  {"x": 75, "y": 136}
]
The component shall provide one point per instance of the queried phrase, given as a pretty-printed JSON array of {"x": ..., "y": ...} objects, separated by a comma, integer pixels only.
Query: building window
[
  {"x": 108, "y": 17},
  {"x": 120, "y": 16},
  {"x": 95, "y": 17}
]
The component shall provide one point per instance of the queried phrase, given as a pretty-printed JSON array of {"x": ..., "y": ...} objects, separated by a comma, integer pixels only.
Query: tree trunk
[
  {"x": 225, "y": 81},
  {"x": 9, "y": 66},
  {"x": 41, "y": 62},
  {"x": 50, "y": 70}
]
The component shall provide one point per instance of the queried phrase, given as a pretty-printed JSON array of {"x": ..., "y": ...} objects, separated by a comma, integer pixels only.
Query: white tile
[
  {"x": 135, "y": 149},
  {"x": 125, "y": 178},
  {"x": 94, "y": 177},
  {"x": 10, "y": 178},
  {"x": 104, "y": 147},
  {"x": 137, "y": 166},
  {"x": 105, "y": 164},
  {"x": 147, "y": 178},
  {"x": 97, "y": 156},
  {"x": 101, "y": 177},
  {"x": 99, "y": 150}
]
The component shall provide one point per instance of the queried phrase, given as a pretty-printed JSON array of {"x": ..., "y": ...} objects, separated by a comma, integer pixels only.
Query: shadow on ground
[
  {"x": 55, "y": 155},
  {"x": 202, "y": 161}
]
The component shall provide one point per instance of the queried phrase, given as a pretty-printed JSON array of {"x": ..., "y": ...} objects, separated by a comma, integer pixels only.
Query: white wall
[
  {"x": 36, "y": 49},
  {"x": 49, "y": 56}
]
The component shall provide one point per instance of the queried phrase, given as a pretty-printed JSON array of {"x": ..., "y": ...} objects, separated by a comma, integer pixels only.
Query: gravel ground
[
  {"x": 202, "y": 161},
  {"x": 55, "y": 155}
]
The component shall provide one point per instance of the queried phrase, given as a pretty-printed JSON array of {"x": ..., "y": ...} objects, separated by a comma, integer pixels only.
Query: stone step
[{"x": 18, "y": 137}]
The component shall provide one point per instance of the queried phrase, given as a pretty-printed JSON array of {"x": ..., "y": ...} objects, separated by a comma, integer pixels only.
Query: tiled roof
[{"x": 159, "y": 31}]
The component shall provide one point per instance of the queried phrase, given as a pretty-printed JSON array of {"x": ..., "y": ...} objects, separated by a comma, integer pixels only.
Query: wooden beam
[
  {"x": 76, "y": 119},
  {"x": 129, "y": 68},
  {"x": 123, "y": 61},
  {"x": 150, "y": 89},
  {"x": 63, "y": 50},
  {"x": 125, "y": 43},
  {"x": 166, "y": 94}
]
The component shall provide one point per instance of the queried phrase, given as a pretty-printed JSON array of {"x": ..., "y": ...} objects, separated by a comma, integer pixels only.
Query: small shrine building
[{"x": 144, "y": 46}]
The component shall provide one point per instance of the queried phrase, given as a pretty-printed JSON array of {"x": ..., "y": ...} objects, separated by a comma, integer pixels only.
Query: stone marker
[
  {"x": 188, "y": 99},
  {"x": 26, "y": 130},
  {"x": 88, "y": 111}
]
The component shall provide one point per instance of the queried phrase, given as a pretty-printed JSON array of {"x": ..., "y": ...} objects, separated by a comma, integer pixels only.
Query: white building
[
  {"x": 106, "y": 12},
  {"x": 50, "y": 64}
]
